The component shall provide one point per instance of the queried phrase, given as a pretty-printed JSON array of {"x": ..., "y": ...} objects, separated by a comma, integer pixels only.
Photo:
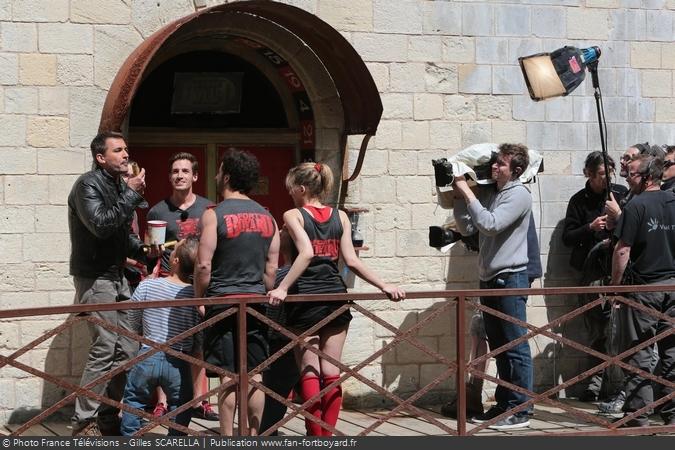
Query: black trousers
[
  {"x": 638, "y": 326},
  {"x": 282, "y": 376}
]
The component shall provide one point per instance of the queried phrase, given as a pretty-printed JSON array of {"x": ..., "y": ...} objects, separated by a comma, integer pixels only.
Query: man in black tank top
[{"x": 238, "y": 253}]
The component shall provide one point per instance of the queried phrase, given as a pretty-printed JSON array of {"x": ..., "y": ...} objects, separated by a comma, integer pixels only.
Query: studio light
[{"x": 558, "y": 73}]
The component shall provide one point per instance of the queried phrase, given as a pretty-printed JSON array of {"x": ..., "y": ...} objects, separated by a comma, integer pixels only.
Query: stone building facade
[{"x": 448, "y": 77}]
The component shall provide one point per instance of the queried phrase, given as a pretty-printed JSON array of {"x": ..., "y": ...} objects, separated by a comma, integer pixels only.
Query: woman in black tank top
[{"x": 321, "y": 235}]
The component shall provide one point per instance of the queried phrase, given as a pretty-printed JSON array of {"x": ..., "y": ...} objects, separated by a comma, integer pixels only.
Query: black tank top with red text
[
  {"x": 245, "y": 230},
  {"x": 322, "y": 275}
]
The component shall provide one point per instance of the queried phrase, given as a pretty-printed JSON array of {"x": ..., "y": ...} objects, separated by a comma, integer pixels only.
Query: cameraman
[{"x": 502, "y": 217}]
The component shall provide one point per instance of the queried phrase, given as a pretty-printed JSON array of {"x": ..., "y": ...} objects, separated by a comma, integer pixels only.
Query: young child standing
[
  {"x": 321, "y": 235},
  {"x": 161, "y": 324}
]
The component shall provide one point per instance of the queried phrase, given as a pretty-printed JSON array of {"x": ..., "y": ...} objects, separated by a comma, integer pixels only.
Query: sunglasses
[{"x": 668, "y": 163}]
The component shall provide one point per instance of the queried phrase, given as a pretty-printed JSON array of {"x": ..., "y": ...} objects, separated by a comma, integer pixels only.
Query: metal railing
[{"x": 453, "y": 299}]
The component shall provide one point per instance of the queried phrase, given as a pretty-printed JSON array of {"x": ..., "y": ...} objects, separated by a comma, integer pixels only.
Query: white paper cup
[{"x": 156, "y": 232}]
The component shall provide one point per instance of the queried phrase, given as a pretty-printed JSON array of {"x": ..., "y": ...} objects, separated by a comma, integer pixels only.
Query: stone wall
[{"x": 448, "y": 76}]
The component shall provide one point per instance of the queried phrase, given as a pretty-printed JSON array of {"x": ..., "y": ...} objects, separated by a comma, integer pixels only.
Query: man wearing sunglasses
[
  {"x": 182, "y": 212},
  {"x": 668, "y": 177}
]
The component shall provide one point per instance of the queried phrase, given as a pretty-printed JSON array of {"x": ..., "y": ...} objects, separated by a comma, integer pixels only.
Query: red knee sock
[
  {"x": 309, "y": 387},
  {"x": 331, "y": 401}
]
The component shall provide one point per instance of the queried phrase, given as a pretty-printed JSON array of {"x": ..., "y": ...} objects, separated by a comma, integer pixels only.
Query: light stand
[{"x": 593, "y": 69}]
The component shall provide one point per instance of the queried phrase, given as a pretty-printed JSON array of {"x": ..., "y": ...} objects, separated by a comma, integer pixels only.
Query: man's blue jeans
[
  {"x": 172, "y": 375},
  {"x": 513, "y": 365}
]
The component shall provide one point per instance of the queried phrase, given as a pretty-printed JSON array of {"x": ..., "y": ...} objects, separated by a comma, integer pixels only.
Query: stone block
[
  {"x": 17, "y": 277},
  {"x": 558, "y": 163},
  {"x": 428, "y": 106},
  {"x": 59, "y": 188},
  {"x": 403, "y": 16},
  {"x": 25, "y": 189},
  {"x": 29, "y": 392},
  {"x": 11, "y": 247},
  {"x": 66, "y": 38},
  {"x": 508, "y": 80},
  {"x": 512, "y": 20},
  {"x": 525, "y": 109},
  {"x": 17, "y": 219},
  {"x": 584, "y": 109},
  {"x": 54, "y": 276},
  {"x": 397, "y": 106},
  {"x": 40, "y": 10},
  {"x": 37, "y": 69},
  {"x": 523, "y": 47},
  {"x": 407, "y": 353},
  {"x": 415, "y": 135},
  {"x": 665, "y": 109},
  {"x": 424, "y": 215},
  {"x": 48, "y": 131},
  {"x": 477, "y": 19},
  {"x": 668, "y": 55},
  {"x": 18, "y": 37},
  {"x": 21, "y": 100},
  {"x": 53, "y": 100},
  {"x": 50, "y": 218},
  {"x": 459, "y": 49},
  {"x": 344, "y": 16},
  {"x": 85, "y": 106},
  {"x": 402, "y": 162},
  {"x": 61, "y": 161},
  {"x": 560, "y": 110},
  {"x": 615, "y": 109},
  {"x": 413, "y": 243},
  {"x": 509, "y": 131},
  {"x": 492, "y": 50},
  {"x": 375, "y": 162},
  {"x": 112, "y": 45},
  {"x": 388, "y": 135},
  {"x": 377, "y": 190},
  {"x": 7, "y": 400},
  {"x": 542, "y": 136},
  {"x": 445, "y": 134},
  {"x": 547, "y": 22},
  {"x": 9, "y": 69},
  {"x": 493, "y": 107},
  {"x": 476, "y": 133},
  {"x": 9, "y": 337},
  {"x": 381, "y": 47},
  {"x": 441, "y": 78},
  {"x": 385, "y": 244},
  {"x": 35, "y": 245},
  {"x": 475, "y": 79},
  {"x": 52, "y": 361},
  {"x": 587, "y": 23},
  {"x": 391, "y": 217},
  {"x": 61, "y": 298},
  {"x": 75, "y": 70},
  {"x": 657, "y": 83},
  {"x": 645, "y": 55},
  {"x": 17, "y": 300},
  {"x": 572, "y": 136},
  {"x": 442, "y": 18},
  {"x": 628, "y": 25},
  {"x": 380, "y": 74},
  {"x": 149, "y": 15},
  {"x": 105, "y": 12},
  {"x": 5, "y": 11},
  {"x": 424, "y": 48},
  {"x": 408, "y": 77},
  {"x": 660, "y": 25},
  {"x": 429, "y": 373},
  {"x": 19, "y": 161},
  {"x": 402, "y": 320},
  {"x": 459, "y": 107},
  {"x": 413, "y": 189}
]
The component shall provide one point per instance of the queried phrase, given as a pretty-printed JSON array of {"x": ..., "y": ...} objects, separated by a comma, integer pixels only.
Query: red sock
[
  {"x": 331, "y": 403},
  {"x": 309, "y": 387}
]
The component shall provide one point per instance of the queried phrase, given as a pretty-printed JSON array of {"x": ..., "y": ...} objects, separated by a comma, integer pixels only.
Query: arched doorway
[{"x": 296, "y": 89}]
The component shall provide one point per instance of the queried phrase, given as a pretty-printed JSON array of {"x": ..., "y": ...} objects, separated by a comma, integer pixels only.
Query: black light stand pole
[{"x": 593, "y": 69}]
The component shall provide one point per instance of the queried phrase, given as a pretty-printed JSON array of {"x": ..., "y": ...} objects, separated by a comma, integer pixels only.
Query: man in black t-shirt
[{"x": 644, "y": 254}]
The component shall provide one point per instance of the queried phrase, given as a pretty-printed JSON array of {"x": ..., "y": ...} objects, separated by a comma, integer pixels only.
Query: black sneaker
[
  {"x": 204, "y": 411},
  {"x": 639, "y": 421},
  {"x": 511, "y": 423},
  {"x": 489, "y": 415},
  {"x": 614, "y": 405},
  {"x": 588, "y": 397}
]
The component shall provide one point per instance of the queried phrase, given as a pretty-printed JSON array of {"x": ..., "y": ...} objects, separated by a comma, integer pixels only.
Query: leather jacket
[{"x": 100, "y": 212}]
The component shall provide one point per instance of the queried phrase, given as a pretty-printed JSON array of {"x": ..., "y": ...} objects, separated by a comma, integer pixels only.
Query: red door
[
  {"x": 155, "y": 161},
  {"x": 275, "y": 162}
]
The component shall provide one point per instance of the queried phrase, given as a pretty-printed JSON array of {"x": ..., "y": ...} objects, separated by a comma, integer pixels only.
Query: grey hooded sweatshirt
[{"x": 502, "y": 223}]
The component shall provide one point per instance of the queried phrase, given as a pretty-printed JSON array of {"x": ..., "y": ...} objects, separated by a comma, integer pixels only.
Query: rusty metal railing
[{"x": 453, "y": 299}]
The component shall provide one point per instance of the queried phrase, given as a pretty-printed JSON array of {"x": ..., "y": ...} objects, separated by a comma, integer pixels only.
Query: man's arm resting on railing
[{"x": 619, "y": 261}]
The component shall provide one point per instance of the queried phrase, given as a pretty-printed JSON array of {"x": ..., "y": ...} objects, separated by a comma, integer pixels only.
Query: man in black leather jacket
[{"x": 100, "y": 210}]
